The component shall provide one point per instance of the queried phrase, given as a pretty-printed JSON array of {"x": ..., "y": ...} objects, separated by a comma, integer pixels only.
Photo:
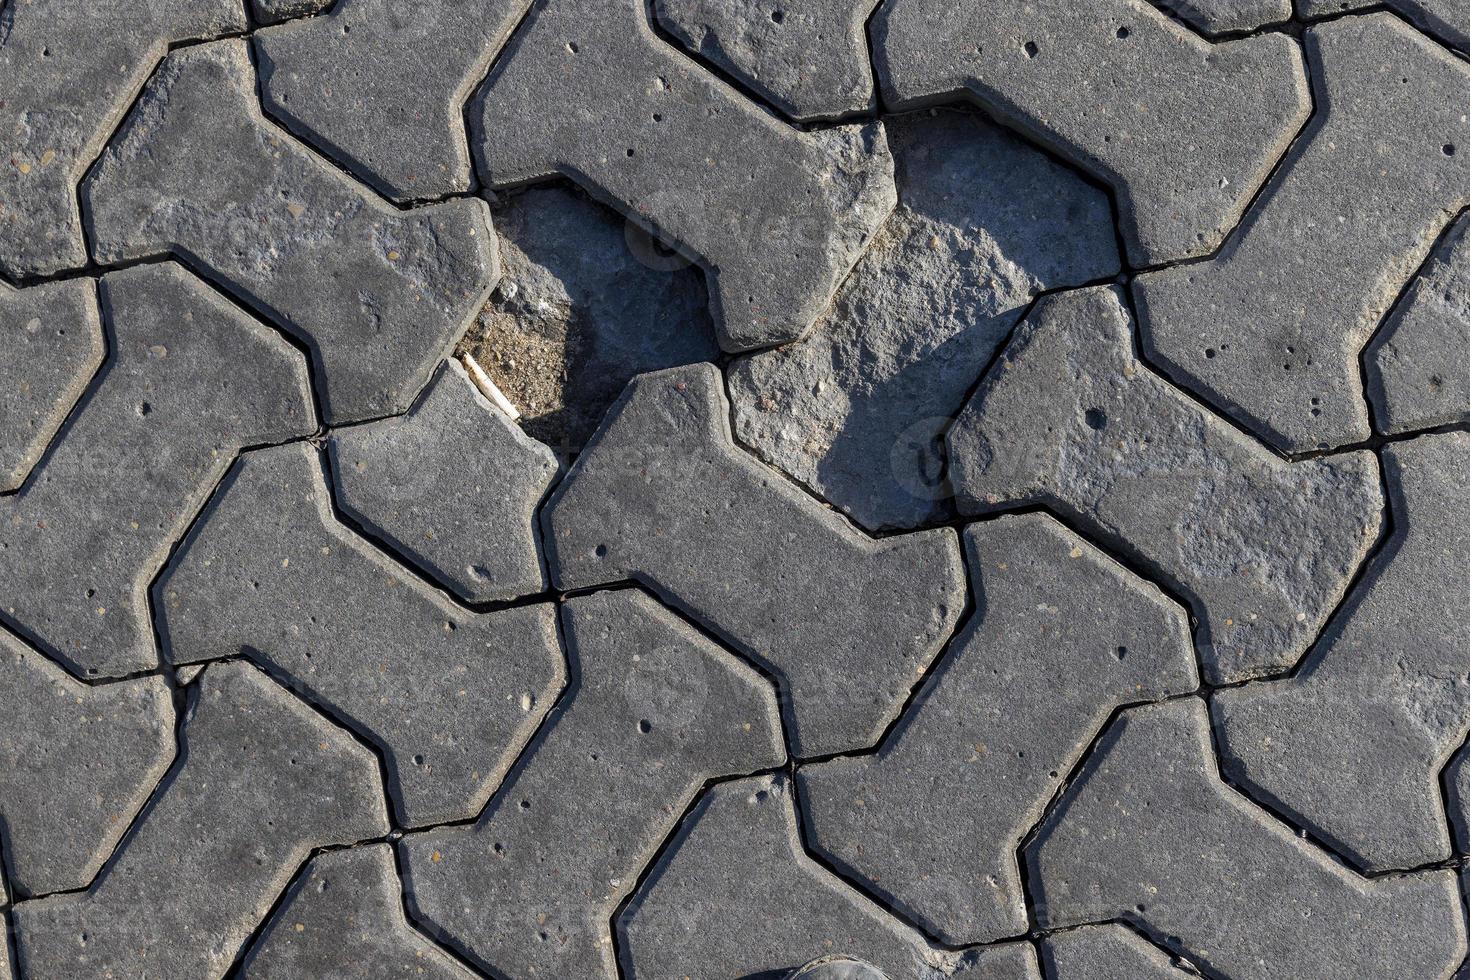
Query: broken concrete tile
[
  {"x": 1062, "y": 637},
  {"x": 1262, "y": 548},
  {"x": 734, "y": 895},
  {"x": 653, "y": 712},
  {"x": 382, "y": 87},
  {"x": 189, "y": 380},
  {"x": 275, "y": 11},
  {"x": 344, "y": 918},
  {"x": 453, "y": 486},
  {"x": 845, "y": 623},
  {"x": 378, "y": 295},
  {"x": 263, "y": 781},
  {"x": 776, "y": 216},
  {"x": 1149, "y": 834},
  {"x": 449, "y": 696},
  {"x": 76, "y": 765},
  {"x": 586, "y": 301},
  {"x": 1227, "y": 16},
  {"x": 1269, "y": 331},
  {"x": 809, "y": 60},
  {"x": 1447, "y": 20},
  {"x": 69, "y": 69},
  {"x": 1184, "y": 130},
  {"x": 1418, "y": 373},
  {"x": 1353, "y": 745},
  {"x": 858, "y": 410},
  {"x": 1106, "y": 952},
  {"x": 50, "y": 347}
]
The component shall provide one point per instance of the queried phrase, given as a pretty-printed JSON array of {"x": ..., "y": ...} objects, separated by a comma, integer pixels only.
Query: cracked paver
[
  {"x": 932, "y": 822},
  {"x": 50, "y": 347},
  {"x": 736, "y": 895},
  {"x": 1396, "y": 666},
  {"x": 847, "y": 624},
  {"x": 857, "y": 411},
  {"x": 708, "y": 489},
  {"x": 1107, "y": 952},
  {"x": 1185, "y": 161},
  {"x": 189, "y": 381},
  {"x": 810, "y": 60},
  {"x": 449, "y": 696},
  {"x": 1270, "y": 329},
  {"x": 686, "y": 155},
  {"x": 1263, "y": 549},
  {"x": 377, "y": 295},
  {"x": 653, "y": 711},
  {"x": 262, "y": 781},
  {"x": 69, "y": 69},
  {"x": 77, "y": 763},
  {"x": 345, "y": 918},
  {"x": 1418, "y": 373},
  {"x": 382, "y": 87},
  {"x": 1150, "y": 834},
  {"x": 454, "y": 485}
]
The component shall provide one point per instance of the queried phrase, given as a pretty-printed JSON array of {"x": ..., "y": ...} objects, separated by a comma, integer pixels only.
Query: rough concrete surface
[{"x": 734, "y": 490}]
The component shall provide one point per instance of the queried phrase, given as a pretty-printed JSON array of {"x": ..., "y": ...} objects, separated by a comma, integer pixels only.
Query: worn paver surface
[{"x": 735, "y": 490}]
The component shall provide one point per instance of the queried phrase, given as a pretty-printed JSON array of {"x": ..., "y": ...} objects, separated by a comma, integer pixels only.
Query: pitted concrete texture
[
  {"x": 377, "y": 295},
  {"x": 1062, "y": 638},
  {"x": 344, "y": 918},
  {"x": 189, "y": 381},
  {"x": 1071, "y": 419},
  {"x": 653, "y": 711},
  {"x": 450, "y": 697},
  {"x": 51, "y": 338},
  {"x": 663, "y": 496},
  {"x": 1185, "y": 161},
  {"x": 1270, "y": 330},
  {"x": 734, "y": 489},
  {"x": 454, "y": 485},
  {"x": 77, "y": 763},
  {"x": 262, "y": 781}
]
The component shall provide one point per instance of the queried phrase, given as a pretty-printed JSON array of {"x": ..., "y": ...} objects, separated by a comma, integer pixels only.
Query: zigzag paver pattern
[{"x": 1030, "y": 542}]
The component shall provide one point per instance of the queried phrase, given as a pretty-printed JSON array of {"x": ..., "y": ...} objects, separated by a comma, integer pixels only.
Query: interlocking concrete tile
[
  {"x": 1352, "y": 747},
  {"x": 77, "y": 763},
  {"x": 189, "y": 380},
  {"x": 586, "y": 302},
  {"x": 1262, "y": 548},
  {"x": 50, "y": 347},
  {"x": 379, "y": 296},
  {"x": 846, "y": 624},
  {"x": 382, "y": 86},
  {"x": 736, "y": 896},
  {"x": 1108, "y": 952},
  {"x": 263, "y": 781},
  {"x": 344, "y": 919},
  {"x": 454, "y": 486},
  {"x": 1448, "y": 20},
  {"x": 69, "y": 70},
  {"x": 776, "y": 216},
  {"x": 449, "y": 696},
  {"x": 1270, "y": 330},
  {"x": 810, "y": 60},
  {"x": 1224, "y": 16},
  {"x": 1062, "y": 637},
  {"x": 1184, "y": 130},
  {"x": 275, "y": 11},
  {"x": 654, "y": 710},
  {"x": 1457, "y": 798},
  {"x": 1418, "y": 373},
  {"x": 857, "y": 411},
  {"x": 1150, "y": 834}
]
